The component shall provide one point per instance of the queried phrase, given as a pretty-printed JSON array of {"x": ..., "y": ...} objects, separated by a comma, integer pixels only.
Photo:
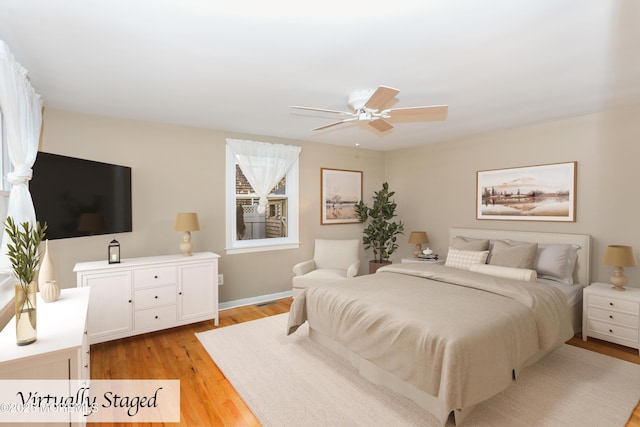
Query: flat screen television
[{"x": 78, "y": 197}]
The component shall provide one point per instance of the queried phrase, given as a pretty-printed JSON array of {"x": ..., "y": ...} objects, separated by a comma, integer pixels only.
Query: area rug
[{"x": 292, "y": 381}]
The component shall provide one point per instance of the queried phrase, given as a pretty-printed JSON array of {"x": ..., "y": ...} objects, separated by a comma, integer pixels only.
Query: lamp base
[
  {"x": 417, "y": 250},
  {"x": 186, "y": 246},
  {"x": 618, "y": 279}
]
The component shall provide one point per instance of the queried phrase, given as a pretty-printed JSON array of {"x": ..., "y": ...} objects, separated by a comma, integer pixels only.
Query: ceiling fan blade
[
  {"x": 380, "y": 125},
  {"x": 324, "y": 110},
  {"x": 381, "y": 97},
  {"x": 336, "y": 123},
  {"x": 431, "y": 113}
]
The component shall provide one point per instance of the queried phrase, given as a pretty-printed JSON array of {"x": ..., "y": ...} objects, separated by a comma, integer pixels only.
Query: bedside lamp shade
[
  {"x": 186, "y": 222},
  {"x": 619, "y": 256},
  {"x": 418, "y": 238}
]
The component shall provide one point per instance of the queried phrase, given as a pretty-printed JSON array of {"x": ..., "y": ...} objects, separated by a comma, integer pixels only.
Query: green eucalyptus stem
[{"x": 23, "y": 252}]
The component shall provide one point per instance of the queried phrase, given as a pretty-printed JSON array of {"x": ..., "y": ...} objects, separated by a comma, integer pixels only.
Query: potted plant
[
  {"x": 380, "y": 231},
  {"x": 23, "y": 255}
]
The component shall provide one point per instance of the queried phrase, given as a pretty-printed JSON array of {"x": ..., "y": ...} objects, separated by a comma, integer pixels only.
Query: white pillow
[
  {"x": 463, "y": 260},
  {"x": 523, "y": 274},
  {"x": 556, "y": 262}
]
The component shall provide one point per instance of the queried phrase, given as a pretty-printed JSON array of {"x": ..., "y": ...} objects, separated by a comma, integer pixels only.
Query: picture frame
[
  {"x": 340, "y": 192},
  {"x": 528, "y": 193}
]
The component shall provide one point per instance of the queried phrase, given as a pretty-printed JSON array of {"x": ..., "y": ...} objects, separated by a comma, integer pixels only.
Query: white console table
[
  {"x": 61, "y": 350},
  {"x": 140, "y": 295}
]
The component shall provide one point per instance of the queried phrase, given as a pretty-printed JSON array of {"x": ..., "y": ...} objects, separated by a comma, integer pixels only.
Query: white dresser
[
  {"x": 61, "y": 350},
  {"x": 140, "y": 295},
  {"x": 611, "y": 315}
]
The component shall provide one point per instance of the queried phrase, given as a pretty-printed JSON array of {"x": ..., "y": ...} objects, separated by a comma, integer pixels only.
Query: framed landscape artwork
[
  {"x": 340, "y": 190},
  {"x": 531, "y": 193}
]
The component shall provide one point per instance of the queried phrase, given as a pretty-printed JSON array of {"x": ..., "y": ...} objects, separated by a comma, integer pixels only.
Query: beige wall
[
  {"x": 182, "y": 169},
  {"x": 176, "y": 169},
  {"x": 435, "y": 184}
]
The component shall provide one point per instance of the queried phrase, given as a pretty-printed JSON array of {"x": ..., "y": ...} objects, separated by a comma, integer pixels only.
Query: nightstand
[
  {"x": 611, "y": 315},
  {"x": 417, "y": 260}
]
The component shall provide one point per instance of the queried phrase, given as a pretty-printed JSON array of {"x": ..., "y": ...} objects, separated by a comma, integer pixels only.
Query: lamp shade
[
  {"x": 186, "y": 222},
  {"x": 619, "y": 256},
  {"x": 418, "y": 237}
]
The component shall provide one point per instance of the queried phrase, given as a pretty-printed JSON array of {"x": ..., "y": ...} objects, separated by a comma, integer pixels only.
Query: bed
[{"x": 448, "y": 338}]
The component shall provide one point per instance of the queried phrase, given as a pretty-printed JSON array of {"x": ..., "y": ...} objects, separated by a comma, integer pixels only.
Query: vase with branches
[
  {"x": 380, "y": 233},
  {"x": 22, "y": 251}
]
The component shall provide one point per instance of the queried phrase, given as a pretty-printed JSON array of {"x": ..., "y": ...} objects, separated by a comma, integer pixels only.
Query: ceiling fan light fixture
[{"x": 367, "y": 106}]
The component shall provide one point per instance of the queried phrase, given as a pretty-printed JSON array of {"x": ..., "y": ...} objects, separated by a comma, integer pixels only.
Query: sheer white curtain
[
  {"x": 263, "y": 164},
  {"x": 22, "y": 111}
]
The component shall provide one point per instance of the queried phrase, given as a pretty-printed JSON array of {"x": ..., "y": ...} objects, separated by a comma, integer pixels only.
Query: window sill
[
  {"x": 262, "y": 248},
  {"x": 7, "y": 294}
]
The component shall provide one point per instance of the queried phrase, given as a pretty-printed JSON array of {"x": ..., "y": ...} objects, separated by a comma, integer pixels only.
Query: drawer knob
[
  {"x": 610, "y": 331},
  {"x": 86, "y": 366},
  {"x": 156, "y": 297},
  {"x": 610, "y": 317},
  {"x": 155, "y": 277},
  {"x": 129, "y": 300},
  {"x": 179, "y": 293},
  {"x": 611, "y": 304},
  {"x": 156, "y": 317}
]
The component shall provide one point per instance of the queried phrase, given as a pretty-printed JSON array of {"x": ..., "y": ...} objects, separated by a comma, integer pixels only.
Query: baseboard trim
[{"x": 253, "y": 300}]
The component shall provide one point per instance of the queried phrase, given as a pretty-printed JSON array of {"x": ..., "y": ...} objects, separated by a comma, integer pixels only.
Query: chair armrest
[
  {"x": 352, "y": 271},
  {"x": 304, "y": 267}
]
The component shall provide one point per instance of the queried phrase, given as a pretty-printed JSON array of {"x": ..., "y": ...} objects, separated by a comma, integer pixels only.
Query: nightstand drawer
[
  {"x": 156, "y": 276},
  {"x": 154, "y": 297},
  {"x": 631, "y": 307},
  {"x": 623, "y": 332},
  {"x": 155, "y": 316},
  {"x": 629, "y": 320}
]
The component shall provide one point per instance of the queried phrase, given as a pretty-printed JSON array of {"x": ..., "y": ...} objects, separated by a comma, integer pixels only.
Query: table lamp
[
  {"x": 619, "y": 257},
  {"x": 418, "y": 238},
  {"x": 186, "y": 222}
]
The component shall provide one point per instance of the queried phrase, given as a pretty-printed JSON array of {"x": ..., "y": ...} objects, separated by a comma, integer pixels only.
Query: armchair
[{"x": 332, "y": 259}]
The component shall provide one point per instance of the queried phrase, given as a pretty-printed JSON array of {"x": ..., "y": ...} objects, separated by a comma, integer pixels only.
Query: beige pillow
[
  {"x": 467, "y": 244},
  {"x": 457, "y": 258},
  {"x": 516, "y": 255}
]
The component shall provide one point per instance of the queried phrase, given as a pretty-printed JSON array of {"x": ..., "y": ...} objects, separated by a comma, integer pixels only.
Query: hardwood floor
[{"x": 206, "y": 397}]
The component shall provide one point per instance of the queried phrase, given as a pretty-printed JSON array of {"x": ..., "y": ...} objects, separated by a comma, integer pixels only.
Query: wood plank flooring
[{"x": 206, "y": 397}]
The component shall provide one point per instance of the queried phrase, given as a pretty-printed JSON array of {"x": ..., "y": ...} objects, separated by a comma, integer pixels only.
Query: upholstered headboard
[{"x": 582, "y": 273}]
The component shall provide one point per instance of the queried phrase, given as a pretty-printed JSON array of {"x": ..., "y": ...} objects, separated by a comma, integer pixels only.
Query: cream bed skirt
[{"x": 381, "y": 377}]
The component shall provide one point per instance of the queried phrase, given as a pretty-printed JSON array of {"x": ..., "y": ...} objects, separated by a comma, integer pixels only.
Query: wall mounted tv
[{"x": 77, "y": 197}]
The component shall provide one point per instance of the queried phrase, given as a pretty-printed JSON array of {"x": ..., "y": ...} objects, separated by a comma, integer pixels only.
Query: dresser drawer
[
  {"x": 631, "y": 307},
  {"x": 612, "y": 330},
  {"x": 145, "y": 319},
  {"x": 155, "y": 297},
  {"x": 156, "y": 276},
  {"x": 613, "y": 316}
]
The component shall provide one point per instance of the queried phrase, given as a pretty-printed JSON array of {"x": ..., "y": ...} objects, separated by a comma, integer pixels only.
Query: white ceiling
[{"x": 238, "y": 65}]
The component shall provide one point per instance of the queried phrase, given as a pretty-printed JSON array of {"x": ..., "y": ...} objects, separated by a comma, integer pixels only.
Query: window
[
  {"x": 6, "y": 284},
  {"x": 5, "y": 168},
  {"x": 249, "y": 230},
  {"x": 5, "y": 163}
]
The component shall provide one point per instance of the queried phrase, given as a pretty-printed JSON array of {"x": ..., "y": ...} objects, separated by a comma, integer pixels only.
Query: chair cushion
[{"x": 318, "y": 277}]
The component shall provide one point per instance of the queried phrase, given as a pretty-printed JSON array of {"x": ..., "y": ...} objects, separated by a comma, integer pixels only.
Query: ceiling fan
[{"x": 368, "y": 105}]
